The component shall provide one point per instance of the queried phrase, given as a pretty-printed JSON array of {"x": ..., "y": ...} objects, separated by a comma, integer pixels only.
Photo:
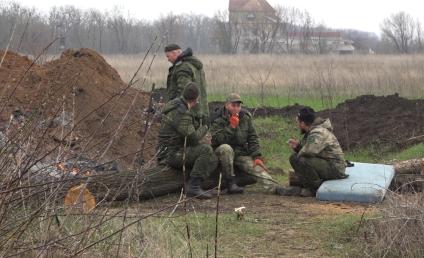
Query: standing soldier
[
  {"x": 318, "y": 157},
  {"x": 186, "y": 68},
  {"x": 179, "y": 138},
  {"x": 237, "y": 144}
]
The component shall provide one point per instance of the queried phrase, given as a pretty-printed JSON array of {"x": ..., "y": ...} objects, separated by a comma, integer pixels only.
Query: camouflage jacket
[
  {"x": 321, "y": 142},
  {"x": 178, "y": 122},
  {"x": 243, "y": 139},
  {"x": 186, "y": 69}
]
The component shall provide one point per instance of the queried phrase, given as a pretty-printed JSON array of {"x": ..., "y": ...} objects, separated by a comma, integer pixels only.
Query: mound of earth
[
  {"x": 380, "y": 121},
  {"x": 78, "y": 90},
  {"x": 369, "y": 120}
]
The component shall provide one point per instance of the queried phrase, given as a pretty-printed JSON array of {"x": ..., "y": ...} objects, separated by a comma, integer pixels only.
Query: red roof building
[{"x": 250, "y": 6}]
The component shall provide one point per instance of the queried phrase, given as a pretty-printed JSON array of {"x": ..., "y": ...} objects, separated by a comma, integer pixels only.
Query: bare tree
[
  {"x": 319, "y": 42},
  {"x": 306, "y": 31},
  {"x": 289, "y": 19},
  {"x": 226, "y": 34},
  {"x": 399, "y": 29},
  {"x": 419, "y": 37}
]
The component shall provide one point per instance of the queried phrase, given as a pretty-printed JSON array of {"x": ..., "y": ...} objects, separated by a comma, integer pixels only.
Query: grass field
[{"x": 321, "y": 81}]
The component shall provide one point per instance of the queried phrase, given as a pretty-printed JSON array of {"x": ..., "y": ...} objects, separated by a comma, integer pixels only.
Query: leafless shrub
[{"x": 398, "y": 229}]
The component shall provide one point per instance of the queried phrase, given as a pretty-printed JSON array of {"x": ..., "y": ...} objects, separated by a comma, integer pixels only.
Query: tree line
[{"x": 27, "y": 30}]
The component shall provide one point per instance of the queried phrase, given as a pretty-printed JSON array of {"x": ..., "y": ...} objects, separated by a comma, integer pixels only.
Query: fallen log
[
  {"x": 413, "y": 166},
  {"x": 408, "y": 183},
  {"x": 107, "y": 186}
]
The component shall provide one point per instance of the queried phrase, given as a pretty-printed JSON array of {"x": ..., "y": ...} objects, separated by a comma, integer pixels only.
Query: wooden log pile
[
  {"x": 409, "y": 175},
  {"x": 107, "y": 186}
]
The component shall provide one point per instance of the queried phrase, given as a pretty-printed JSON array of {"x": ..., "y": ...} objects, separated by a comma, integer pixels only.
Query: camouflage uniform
[
  {"x": 178, "y": 124},
  {"x": 238, "y": 147},
  {"x": 186, "y": 69},
  {"x": 319, "y": 156}
]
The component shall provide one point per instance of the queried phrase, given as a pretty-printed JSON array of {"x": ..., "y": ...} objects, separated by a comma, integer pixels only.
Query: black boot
[
  {"x": 194, "y": 189},
  {"x": 232, "y": 187},
  {"x": 288, "y": 191}
]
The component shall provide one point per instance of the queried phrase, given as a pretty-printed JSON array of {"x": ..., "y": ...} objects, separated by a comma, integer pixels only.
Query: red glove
[
  {"x": 259, "y": 162},
  {"x": 234, "y": 121}
]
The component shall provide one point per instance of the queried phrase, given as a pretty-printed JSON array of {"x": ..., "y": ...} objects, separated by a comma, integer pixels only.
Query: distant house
[
  {"x": 249, "y": 20},
  {"x": 256, "y": 28},
  {"x": 319, "y": 42}
]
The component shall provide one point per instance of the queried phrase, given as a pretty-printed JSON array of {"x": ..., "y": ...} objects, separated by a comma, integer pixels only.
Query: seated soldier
[
  {"x": 318, "y": 156},
  {"x": 179, "y": 138},
  {"x": 237, "y": 144}
]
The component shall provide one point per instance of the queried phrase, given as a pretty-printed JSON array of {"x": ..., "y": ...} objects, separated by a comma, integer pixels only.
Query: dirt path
[{"x": 288, "y": 225}]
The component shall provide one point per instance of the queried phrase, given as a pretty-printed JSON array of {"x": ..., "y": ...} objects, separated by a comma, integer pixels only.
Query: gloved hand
[
  {"x": 259, "y": 162},
  {"x": 234, "y": 121}
]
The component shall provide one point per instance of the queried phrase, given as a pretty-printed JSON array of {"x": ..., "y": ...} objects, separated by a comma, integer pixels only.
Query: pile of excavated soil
[
  {"x": 78, "y": 89},
  {"x": 389, "y": 121},
  {"x": 380, "y": 121}
]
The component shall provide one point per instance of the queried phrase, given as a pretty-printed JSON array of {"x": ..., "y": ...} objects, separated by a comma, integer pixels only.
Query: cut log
[
  {"x": 123, "y": 185},
  {"x": 408, "y": 183},
  {"x": 409, "y": 176},
  {"x": 414, "y": 166}
]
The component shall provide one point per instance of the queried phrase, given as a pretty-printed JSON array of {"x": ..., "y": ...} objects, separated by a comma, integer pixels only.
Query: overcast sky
[{"x": 364, "y": 15}]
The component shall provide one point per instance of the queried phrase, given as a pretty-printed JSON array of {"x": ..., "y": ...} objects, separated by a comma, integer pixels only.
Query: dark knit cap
[
  {"x": 306, "y": 115},
  {"x": 172, "y": 47},
  {"x": 191, "y": 91}
]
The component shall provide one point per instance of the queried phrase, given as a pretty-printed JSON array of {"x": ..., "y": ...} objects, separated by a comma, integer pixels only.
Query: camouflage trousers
[
  {"x": 201, "y": 159},
  {"x": 228, "y": 161},
  {"x": 313, "y": 171}
]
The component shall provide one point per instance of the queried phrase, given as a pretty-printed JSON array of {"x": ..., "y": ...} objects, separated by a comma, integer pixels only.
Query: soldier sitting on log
[
  {"x": 237, "y": 144},
  {"x": 179, "y": 141}
]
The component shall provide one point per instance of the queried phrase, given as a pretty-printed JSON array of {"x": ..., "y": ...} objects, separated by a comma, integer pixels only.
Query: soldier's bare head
[
  {"x": 191, "y": 94},
  {"x": 233, "y": 104},
  {"x": 305, "y": 119},
  {"x": 172, "y": 52}
]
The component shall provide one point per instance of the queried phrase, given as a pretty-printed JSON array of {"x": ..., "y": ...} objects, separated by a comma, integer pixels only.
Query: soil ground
[{"x": 288, "y": 226}]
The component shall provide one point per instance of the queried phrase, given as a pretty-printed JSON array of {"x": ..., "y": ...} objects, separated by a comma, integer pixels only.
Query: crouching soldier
[
  {"x": 318, "y": 157},
  {"x": 237, "y": 144},
  {"x": 179, "y": 138}
]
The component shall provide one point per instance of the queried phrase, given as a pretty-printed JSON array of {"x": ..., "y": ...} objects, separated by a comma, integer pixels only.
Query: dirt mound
[
  {"x": 13, "y": 60},
  {"x": 79, "y": 89},
  {"x": 389, "y": 121},
  {"x": 380, "y": 121}
]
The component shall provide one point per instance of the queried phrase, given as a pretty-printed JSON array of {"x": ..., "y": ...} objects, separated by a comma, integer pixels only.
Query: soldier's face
[
  {"x": 193, "y": 103},
  {"x": 173, "y": 55},
  {"x": 302, "y": 126},
  {"x": 233, "y": 108}
]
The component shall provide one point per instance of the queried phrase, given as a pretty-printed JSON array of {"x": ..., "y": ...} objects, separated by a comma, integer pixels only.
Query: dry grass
[
  {"x": 398, "y": 230},
  {"x": 298, "y": 76}
]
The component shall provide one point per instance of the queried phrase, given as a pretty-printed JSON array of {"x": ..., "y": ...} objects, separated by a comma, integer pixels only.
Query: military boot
[
  {"x": 232, "y": 187},
  {"x": 288, "y": 191},
  {"x": 307, "y": 192},
  {"x": 194, "y": 189}
]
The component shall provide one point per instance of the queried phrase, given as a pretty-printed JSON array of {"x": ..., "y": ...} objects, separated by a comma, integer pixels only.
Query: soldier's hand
[
  {"x": 207, "y": 139},
  {"x": 234, "y": 121},
  {"x": 259, "y": 162},
  {"x": 293, "y": 143}
]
